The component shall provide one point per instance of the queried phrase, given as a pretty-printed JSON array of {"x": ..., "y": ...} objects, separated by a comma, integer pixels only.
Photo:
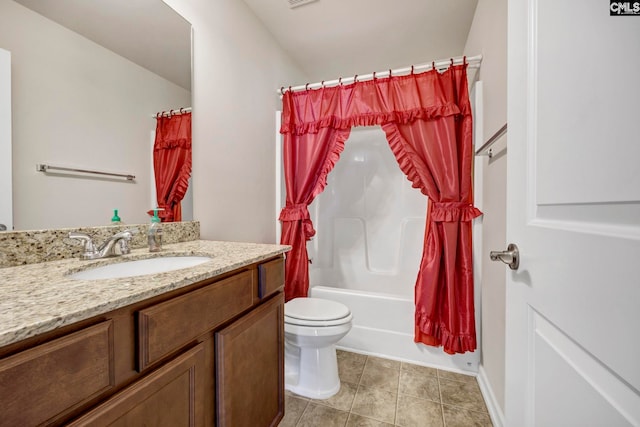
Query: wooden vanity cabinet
[{"x": 208, "y": 354}]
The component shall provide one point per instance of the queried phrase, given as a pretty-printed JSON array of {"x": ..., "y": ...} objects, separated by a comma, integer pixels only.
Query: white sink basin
[{"x": 139, "y": 267}]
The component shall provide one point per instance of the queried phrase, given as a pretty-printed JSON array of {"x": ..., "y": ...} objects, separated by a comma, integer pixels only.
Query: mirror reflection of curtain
[
  {"x": 427, "y": 121},
  {"x": 172, "y": 163}
]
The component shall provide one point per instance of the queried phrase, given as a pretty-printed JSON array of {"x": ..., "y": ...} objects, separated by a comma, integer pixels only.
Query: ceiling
[
  {"x": 333, "y": 38},
  {"x": 326, "y": 38}
]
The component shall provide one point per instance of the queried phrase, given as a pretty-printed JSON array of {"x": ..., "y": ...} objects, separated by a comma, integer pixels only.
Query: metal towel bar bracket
[{"x": 486, "y": 147}]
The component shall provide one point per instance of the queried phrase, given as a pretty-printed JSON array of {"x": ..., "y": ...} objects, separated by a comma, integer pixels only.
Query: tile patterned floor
[{"x": 379, "y": 392}]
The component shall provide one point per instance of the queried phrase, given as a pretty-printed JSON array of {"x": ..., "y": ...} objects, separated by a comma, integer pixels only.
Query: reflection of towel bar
[{"x": 45, "y": 168}]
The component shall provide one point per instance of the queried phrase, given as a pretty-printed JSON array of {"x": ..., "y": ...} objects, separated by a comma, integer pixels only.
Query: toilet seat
[{"x": 316, "y": 312}]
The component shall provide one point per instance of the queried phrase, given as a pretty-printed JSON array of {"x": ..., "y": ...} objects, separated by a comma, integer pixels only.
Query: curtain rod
[
  {"x": 473, "y": 61},
  {"x": 169, "y": 113}
]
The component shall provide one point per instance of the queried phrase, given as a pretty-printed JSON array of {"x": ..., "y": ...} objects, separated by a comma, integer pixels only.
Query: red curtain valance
[{"x": 400, "y": 99}]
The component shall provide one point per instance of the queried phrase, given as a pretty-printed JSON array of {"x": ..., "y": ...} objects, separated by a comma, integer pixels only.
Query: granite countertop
[{"x": 38, "y": 298}]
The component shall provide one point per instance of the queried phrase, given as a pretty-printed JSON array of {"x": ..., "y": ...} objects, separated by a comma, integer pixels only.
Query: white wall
[
  {"x": 488, "y": 36},
  {"x": 237, "y": 68},
  {"x": 68, "y": 109}
]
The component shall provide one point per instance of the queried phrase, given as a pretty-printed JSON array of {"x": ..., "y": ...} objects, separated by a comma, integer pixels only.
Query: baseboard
[{"x": 495, "y": 412}]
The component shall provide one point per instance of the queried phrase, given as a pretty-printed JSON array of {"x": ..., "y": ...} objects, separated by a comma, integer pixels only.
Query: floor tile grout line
[
  {"x": 302, "y": 414},
  {"x": 444, "y": 422}
]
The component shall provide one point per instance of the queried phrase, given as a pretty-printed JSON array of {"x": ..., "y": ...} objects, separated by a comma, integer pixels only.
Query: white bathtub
[{"x": 383, "y": 326}]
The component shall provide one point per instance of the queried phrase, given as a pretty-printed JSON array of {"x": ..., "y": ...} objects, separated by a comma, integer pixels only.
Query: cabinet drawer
[
  {"x": 165, "y": 327},
  {"x": 171, "y": 396},
  {"x": 40, "y": 383},
  {"x": 270, "y": 277}
]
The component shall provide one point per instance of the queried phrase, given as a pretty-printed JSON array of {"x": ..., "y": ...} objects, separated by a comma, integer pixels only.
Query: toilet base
[
  {"x": 312, "y": 372},
  {"x": 311, "y": 394}
]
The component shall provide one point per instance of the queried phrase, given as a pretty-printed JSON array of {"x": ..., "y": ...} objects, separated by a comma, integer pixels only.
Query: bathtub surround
[
  {"x": 36, "y": 246},
  {"x": 427, "y": 121}
]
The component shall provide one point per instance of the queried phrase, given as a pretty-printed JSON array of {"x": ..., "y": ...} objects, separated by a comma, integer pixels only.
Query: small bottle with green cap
[
  {"x": 115, "y": 220},
  {"x": 154, "y": 234}
]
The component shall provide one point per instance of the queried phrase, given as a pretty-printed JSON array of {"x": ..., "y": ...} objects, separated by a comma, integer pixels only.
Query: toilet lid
[{"x": 315, "y": 309}]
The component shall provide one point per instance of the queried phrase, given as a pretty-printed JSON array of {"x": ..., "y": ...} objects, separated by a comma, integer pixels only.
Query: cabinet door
[
  {"x": 250, "y": 368},
  {"x": 42, "y": 384},
  {"x": 171, "y": 396}
]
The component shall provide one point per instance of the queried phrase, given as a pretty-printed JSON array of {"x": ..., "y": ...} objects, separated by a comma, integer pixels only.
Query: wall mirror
[{"x": 87, "y": 79}]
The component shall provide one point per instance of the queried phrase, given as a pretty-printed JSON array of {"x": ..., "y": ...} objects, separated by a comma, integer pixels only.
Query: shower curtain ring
[
  {"x": 464, "y": 60},
  {"x": 281, "y": 90},
  {"x": 340, "y": 81},
  {"x": 289, "y": 89},
  {"x": 322, "y": 84},
  {"x": 390, "y": 73},
  {"x": 374, "y": 75},
  {"x": 355, "y": 78},
  {"x": 412, "y": 70},
  {"x": 170, "y": 113},
  {"x": 306, "y": 87},
  {"x": 452, "y": 62}
]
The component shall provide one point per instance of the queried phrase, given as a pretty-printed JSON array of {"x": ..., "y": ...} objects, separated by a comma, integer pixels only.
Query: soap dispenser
[
  {"x": 115, "y": 219},
  {"x": 155, "y": 233}
]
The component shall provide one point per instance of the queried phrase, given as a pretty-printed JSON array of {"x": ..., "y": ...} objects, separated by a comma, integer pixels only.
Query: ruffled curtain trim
[
  {"x": 332, "y": 158},
  {"x": 451, "y": 343},
  {"x": 181, "y": 184},
  {"x": 453, "y": 212},
  {"x": 370, "y": 119},
  {"x": 409, "y": 162},
  {"x": 173, "y": 143},
  {"x": 294, "y": 213}
]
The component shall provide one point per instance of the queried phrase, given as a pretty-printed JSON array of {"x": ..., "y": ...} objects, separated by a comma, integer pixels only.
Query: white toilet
[{"x": 312, "y": 327}]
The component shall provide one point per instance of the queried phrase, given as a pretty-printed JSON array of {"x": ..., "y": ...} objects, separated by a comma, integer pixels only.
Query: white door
[
  {"x": 6, "y": 201},
  {"x": 573, "y": 306}
]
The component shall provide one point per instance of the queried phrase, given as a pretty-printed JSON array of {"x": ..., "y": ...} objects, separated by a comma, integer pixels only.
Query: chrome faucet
[{"x": 107, "y": 249}]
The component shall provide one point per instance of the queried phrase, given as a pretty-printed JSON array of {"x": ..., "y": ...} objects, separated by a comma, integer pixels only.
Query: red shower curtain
[
  {"x": 427, "y": 120},
  {"x": 172, "y": 163},
  {"x": 308, "y": 159}
]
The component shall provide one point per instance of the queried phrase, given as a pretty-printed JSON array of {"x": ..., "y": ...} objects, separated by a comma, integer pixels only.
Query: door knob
[{"x": 511, "y": 256}]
